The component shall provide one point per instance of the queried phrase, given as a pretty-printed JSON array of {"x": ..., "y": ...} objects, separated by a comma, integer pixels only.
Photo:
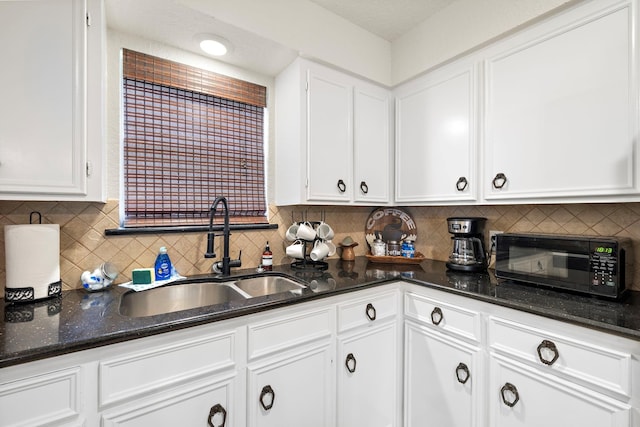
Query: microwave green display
[{"x": 604, "y": 250}]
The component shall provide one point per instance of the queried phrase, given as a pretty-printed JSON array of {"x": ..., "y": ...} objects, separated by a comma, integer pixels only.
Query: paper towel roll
[{"x": 32, "y": 254}]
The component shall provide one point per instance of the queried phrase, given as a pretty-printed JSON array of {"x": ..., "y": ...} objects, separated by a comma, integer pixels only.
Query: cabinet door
[
  {"x": 329, "y": 132},
  {"x": 194, "y": 405},
  {"x": 561, "y": 110},
  {"x": 367, "y": 378},
  {"x": 43, "y": 109},
  {"x": 442, "y": 379},
  {"x": 435, "y": 138},
  {"x": 521, "y": 396},
  {"x": 371, "y": 145},
  {"x": 292, "y": 391}
]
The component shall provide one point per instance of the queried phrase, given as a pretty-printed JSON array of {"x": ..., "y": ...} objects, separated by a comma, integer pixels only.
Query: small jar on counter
[
  {"x": 378, "y": 248},
  {"x": 394, "y": 248},
  {"x": 408, "y": 249}
]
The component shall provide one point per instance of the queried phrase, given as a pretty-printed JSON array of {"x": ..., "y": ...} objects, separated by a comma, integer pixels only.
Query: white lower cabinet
[
  {"x": 522, "y": 396},
  {"x": 368, "y": 380},
  {"x": 200, "y": 403},
  {"x": 291, "y": 390},
  {"x": 520, "y": 369},
  {"x": 41, "y": 398},
  {"x": 442, "y": 389},
  {"x": 290, "y": 368}
]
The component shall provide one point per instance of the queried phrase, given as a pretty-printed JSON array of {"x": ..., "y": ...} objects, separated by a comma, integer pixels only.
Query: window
[{"x": 190, "y": 135}]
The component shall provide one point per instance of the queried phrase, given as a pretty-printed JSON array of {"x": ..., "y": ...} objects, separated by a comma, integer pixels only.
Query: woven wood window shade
[{"x": 190, "y": 135}]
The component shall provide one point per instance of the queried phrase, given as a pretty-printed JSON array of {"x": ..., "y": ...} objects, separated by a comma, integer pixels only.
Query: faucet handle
[{"x": 236, "y": 262}]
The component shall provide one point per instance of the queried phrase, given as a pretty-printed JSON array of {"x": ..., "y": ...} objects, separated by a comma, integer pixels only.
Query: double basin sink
[{"x": 192, "y": 294}]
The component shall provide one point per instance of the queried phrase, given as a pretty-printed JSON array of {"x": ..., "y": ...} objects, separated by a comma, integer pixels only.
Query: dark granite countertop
[{"x": 80, "y": 320}]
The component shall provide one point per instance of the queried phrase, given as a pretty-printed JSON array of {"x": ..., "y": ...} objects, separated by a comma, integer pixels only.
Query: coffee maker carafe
[{"x": 468, "y": 252}]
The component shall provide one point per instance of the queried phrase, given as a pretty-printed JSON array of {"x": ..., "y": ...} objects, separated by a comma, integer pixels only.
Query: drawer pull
[
  {"x": 350, "y": 363},
  {"x": 364, "y": 187},
  {"x": 267, "y": 391},
  {"x": 509, "y": 390},
  {"x": 436, "y": 316},
  {"x": 550, "y": 346},
  {"x": 462, "y": 373},
  {"x": 371, "y": 312},
  {"x": 215, "y": 410},
  {"x": 342, "y": 186}
]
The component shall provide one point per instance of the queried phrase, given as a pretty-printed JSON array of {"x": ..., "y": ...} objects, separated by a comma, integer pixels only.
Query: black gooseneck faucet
[{"x": 225, "y": 265}]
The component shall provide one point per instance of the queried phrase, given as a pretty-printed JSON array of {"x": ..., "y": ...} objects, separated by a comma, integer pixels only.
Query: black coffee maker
[{"x": 468, "y": 253}]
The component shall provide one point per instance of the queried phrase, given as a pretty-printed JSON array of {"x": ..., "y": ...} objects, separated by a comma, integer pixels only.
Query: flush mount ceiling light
[{"x": 213, "y": 45}]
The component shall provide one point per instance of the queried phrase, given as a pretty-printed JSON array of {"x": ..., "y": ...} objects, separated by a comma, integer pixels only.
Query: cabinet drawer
[
  {"x": 449, "y": 318},
  {"x": 41, "y": 400},
  {"x": 287, "y": 331},
  {"x": 583, "y": 362},
  {"x": 367, "y": 311},
  {"x": 162, "y": 366}
]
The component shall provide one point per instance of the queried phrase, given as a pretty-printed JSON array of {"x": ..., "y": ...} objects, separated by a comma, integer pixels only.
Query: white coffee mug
[
  {"x": 296, "y": 249},
  {"x": 306, "y": 232},
  {"x": 320, "y": 251},
  {"x": 290, "y": 235},
  {"x": 325, "y": 231},
  {"x": 332, "y": 247}
]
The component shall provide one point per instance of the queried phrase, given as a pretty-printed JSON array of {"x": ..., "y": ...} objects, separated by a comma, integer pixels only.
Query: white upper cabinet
[
  {"x": 330, "y": 102},
  {"x": 51, "y": 107},
  {"x": 435, "y": 137},
  {"x": 561, "y": 108},
  {"x": 332, "y": 137},
  {"x": 548, "y": 114}
]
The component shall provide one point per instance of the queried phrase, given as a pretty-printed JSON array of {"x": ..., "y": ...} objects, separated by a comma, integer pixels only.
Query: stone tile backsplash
[{"x": 83, "y": 245}]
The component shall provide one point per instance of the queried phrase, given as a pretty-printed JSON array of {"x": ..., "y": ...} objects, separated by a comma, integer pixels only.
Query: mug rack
[{"x": 307, "y": 263}]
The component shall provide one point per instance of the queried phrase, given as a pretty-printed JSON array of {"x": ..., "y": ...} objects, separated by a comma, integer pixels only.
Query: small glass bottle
[
  {"x": 267, "y": 258},
  {"x": 163, "y": 265}
]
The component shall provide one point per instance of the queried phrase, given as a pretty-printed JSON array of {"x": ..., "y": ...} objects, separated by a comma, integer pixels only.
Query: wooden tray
[{"x": 417, "y": 259}]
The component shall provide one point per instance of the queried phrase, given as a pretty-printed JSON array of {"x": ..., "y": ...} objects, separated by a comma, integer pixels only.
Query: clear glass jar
[{"x": 378, "y": 248}]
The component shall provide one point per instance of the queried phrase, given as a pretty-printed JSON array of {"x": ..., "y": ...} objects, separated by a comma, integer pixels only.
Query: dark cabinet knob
[
  {"x": 499, "y": 180},
  {"x": 436, "y": 316},
  {"x": 364, "y": 187},
  {"x": 217, "y": 409},
  {"x": 462, "y": 373},
  {"x": 462, "y": 184},
  {"x": 509, "y": 394},
  {"x": 267, "y": 397},
  {"x": 371, "y": 312},
  {"x": 342, "y": 186},
  {"x": 543, "y": 349},
  {"x": 350, "y": 363}
]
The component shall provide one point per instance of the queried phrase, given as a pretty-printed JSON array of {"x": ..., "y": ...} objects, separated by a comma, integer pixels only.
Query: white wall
[
  {"x": 460, "y": 27},
  {"x": 115, "y": 42}
]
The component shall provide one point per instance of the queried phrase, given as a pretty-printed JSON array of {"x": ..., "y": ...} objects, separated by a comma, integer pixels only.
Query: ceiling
[
  {"x": 388, "y": 19},
  {"x": 173, "y": 23}
]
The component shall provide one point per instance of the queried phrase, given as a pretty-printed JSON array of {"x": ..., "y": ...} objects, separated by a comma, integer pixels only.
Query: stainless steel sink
[
  {"x": 170, "y": 298},
  {"x": 183, "y": 296},
  {"x": 267, "y": 285}
]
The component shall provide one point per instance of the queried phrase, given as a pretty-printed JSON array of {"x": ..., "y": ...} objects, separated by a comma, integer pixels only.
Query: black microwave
[{"x": 592, "y": 265}]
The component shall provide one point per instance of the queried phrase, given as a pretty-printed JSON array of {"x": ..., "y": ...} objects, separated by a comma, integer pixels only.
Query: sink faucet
[{"x": 225, "y": 265}]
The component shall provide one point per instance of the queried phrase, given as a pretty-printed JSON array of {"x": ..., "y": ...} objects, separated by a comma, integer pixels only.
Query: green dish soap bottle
[{"x": 163, "y": 265}]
